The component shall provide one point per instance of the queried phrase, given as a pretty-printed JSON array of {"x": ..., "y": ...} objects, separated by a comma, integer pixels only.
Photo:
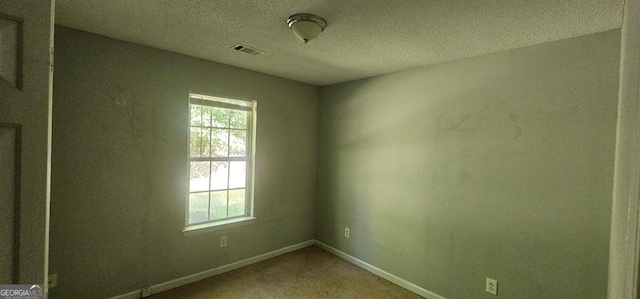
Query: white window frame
[{"x": 248, "y": 217}]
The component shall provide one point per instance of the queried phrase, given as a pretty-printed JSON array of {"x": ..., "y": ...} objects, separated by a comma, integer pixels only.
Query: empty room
[{"x": 320, "y": 149}]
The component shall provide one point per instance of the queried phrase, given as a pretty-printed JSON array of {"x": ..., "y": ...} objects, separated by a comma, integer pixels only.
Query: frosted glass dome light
[{"x": 306, "y": 26}]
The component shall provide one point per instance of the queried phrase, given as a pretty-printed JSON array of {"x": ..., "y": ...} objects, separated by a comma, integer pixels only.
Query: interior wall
[
  {"x": 497, "y": 166},
  {"x": 119, "y": 165}
]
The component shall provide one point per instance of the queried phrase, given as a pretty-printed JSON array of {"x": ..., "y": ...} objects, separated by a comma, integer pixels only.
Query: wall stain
[
  {"x": 434, "y": 182},
  {"x": 465, "y": 176},
  {"x": 518, "y": 132},
  {"x": 467, "y": 117},
  {"x": 445, "y": 126},
  {"x": 465, "y": 153}
]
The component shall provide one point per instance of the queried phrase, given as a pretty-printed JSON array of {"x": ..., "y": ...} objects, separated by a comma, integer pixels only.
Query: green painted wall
[
  {"x": 119, "y": 165},
  {"x": 497, "y": 166}
]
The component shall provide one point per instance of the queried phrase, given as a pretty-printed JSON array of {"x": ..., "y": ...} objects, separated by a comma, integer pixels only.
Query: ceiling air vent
[{"x": 247, "y": 49}]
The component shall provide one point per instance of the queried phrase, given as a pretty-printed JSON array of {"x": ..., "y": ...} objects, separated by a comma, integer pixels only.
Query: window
[{"x": 221, "y": 146}]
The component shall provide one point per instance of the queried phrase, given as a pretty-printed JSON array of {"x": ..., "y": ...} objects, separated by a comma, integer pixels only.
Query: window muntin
[{"x": 220, "y": 159}]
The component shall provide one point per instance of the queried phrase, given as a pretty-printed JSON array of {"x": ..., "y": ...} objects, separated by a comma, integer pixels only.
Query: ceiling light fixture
[{"x": 306, "y": 26}]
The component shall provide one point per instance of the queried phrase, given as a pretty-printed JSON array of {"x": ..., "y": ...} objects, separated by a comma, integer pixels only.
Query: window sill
[{"x": 210, "y": 227}]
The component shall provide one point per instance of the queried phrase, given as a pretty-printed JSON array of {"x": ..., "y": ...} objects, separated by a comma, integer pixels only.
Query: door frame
[{"x": 624, "y": 251}]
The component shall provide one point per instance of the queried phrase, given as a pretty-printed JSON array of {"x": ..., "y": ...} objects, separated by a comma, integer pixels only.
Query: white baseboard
[
  {"x": 161, "y": 287},
  {"x": 137, "y": 294},
  {"x": 379, "y": 272},
  {"x": 131, "y": 295}
]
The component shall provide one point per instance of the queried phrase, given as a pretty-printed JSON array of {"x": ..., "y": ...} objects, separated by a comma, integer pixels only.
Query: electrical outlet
[
  {"x": 492, "y": 286},
  {"x": 346, "y": 232},
  {"x": 53, "y": 280},
  {"x": 223, "y": 241},
  {"x": 146, "y": 292}
]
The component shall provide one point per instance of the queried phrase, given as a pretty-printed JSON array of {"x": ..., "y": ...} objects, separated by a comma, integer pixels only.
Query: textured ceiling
[{"x": 363, "y": 38}]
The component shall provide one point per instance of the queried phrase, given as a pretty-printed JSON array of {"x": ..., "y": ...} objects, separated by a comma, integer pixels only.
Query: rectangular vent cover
[{"x": 246, "y": 49}]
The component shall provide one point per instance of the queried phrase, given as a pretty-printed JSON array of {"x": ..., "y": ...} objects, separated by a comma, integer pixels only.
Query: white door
[
  {"x": 8, "y": 204},
  {"x": 26, "y": 31}
]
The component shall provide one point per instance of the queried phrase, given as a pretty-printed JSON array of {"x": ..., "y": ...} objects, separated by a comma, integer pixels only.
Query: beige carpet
[{"x": 307, "y": 273}]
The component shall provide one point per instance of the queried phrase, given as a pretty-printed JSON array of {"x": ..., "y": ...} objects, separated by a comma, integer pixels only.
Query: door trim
[{"x": 624, "y": 253}]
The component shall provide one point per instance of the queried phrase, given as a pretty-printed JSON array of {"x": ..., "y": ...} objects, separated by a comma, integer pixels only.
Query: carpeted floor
[{"x": 306, "y": 273}]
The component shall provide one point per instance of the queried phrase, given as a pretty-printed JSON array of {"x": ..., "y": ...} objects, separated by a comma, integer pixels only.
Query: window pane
[
  {"x": 198, "y": 207},
  {"x": 218, "y": 208},
  {"x": 220, "y": 143},
  {"x": 238, "y": 174},
  {"x": 207, "y": 113},
  {"x": 236, "y": 202},
  {"x": 220, "y": 118},
  {"x": 238, "y": 119},
  {"x": 205, "y": 135},
  {"x": 199, "y": 176},
  {"x": 219, "y": 169},
  {"x": 194, "y": 142},
  {"x": 219, "y": 175},
  {"x": 196, "y": 115},
  {"x": 238, "y": 143}
]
